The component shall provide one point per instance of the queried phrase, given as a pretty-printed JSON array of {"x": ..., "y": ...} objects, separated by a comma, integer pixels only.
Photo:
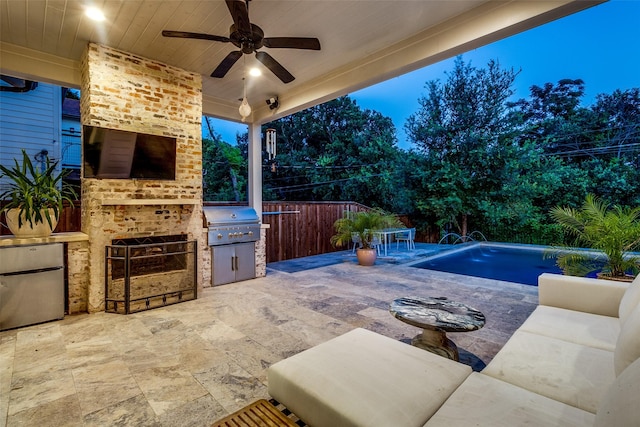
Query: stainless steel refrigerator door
[
  {"x": 31, "y": 257},
  {"x": 26, "y": 299}
]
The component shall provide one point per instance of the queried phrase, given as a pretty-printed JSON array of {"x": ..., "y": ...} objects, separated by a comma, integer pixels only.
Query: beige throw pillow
[
  {"x": 628, "y": 344},
  {"x": 630, "y": 299}
]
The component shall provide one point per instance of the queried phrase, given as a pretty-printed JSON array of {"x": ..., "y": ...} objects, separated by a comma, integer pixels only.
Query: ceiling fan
[{"x": 249, "y": 38}]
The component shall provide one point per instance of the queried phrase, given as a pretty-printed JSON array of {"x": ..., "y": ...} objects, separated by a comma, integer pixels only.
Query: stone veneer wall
[
  {"x": 78, "y": 276},
  {"x": 128, "y": 92}
]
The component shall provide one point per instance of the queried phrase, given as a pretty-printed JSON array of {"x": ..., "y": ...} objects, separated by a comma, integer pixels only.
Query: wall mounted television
[{"x": 117, "y": 154}]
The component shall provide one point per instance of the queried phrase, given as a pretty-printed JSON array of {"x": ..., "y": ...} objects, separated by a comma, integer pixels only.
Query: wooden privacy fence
[{"x": 299, "y": 229}]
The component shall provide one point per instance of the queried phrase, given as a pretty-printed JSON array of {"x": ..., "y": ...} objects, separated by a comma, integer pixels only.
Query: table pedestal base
[{"x": 436, "y": 342}]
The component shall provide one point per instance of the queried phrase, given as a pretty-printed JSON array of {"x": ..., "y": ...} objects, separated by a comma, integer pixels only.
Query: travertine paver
[{"x": 192, "y": 363}]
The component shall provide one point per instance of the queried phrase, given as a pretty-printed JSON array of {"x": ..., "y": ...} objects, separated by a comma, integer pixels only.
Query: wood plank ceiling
[{"x": 363, "y": 41}]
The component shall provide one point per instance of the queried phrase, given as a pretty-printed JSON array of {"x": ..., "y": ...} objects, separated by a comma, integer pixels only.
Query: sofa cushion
[
  {"x": 575, "y": 374},
  {"x": 592, "y": 330},
  {"x": 619, "y": 406},
  {"x": 630, "y": 300},
  {"x": 628, "y": 345},
  {"x": 581, "y": 293},
  {"x": 485, "y": 401},
  {"x": 364, "y": 379}
]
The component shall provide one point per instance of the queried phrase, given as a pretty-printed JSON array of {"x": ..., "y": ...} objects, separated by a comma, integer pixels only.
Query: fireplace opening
[
  {"x": 149, "y": 272},
  {"x": 148, "y": 255}
]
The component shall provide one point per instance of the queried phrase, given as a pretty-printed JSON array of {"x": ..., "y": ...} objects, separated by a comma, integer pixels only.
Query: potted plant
[
  {"x": 35, "y": 197},
  {"x": 614, "y": 233},
  {"x": 362, "y": 225}
]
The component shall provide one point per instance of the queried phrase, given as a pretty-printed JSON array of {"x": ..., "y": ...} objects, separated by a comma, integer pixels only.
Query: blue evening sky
[{"x": 600, "y": 45}]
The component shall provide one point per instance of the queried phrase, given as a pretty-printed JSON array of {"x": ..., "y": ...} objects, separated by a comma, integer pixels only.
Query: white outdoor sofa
[{"x": 574, "y": 362}]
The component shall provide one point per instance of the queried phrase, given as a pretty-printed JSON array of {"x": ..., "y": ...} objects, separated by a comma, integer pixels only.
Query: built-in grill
[
  {"x": 231, "y": 224},
  {"x": 233, "y": 231}
]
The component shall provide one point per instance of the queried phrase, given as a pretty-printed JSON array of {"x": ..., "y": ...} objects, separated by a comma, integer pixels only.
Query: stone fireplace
[{"x": 126, "y": 92}]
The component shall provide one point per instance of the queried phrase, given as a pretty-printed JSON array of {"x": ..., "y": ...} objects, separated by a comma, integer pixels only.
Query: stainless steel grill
[{"x": 231, "y": 224}]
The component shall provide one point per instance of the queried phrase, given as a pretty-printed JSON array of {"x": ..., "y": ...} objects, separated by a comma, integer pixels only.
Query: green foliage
[
  {"x": 224, "y": 171},
  {"x": 337, "y": 151},
  {"x": 34, "y": 191},
  {"x": 481, "y": 162},
  {"x": 614, "y": 233},
  {"x": 363, "y": 224},
  {"x": 462, "y": 132}
]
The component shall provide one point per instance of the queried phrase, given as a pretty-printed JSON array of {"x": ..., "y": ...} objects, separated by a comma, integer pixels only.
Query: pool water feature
[{"x": 508, "y": 263}]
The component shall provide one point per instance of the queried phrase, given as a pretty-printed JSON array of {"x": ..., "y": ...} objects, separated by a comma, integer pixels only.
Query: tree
[
  {"x": 224, "y": 173},
  {"x": 336, "y": 151},
  {"x": 463, "y": 133}
]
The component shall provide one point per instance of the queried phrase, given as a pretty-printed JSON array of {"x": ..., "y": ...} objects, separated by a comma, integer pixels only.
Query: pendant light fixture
[{"x": 245, "y": 108}]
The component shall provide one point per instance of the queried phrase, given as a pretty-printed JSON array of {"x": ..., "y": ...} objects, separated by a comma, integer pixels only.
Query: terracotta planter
[
  {"x": 40, "y": 229},
  {"x": 366, "y": 257},
  {"x": 626, "y": 278}
]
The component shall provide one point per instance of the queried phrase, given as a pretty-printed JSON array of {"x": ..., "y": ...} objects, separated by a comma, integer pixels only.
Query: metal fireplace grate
[{"x": 150, "y": 272}]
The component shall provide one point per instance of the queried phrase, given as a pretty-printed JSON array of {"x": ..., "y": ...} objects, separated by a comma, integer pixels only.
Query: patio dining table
[{"x": 385, "y": 235}]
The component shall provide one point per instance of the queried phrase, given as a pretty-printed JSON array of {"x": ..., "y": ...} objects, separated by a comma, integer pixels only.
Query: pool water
[{"x": 519, "y": 265}]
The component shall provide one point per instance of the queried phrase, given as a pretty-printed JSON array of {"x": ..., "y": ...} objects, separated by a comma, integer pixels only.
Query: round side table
[{"x": 437, "y": 316}]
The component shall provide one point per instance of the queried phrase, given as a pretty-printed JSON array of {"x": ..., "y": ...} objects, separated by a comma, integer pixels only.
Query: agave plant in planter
[
  {"x": 362, "y": 225},
  {"x": 34, "y": 198},
  {"x": 613, "y": 233}
]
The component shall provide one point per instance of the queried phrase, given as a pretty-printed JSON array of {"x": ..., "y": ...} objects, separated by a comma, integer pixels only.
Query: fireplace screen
[{"x": 150, "y": 272}]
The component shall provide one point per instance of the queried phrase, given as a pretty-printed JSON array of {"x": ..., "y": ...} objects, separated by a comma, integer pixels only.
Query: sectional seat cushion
[
  {"x": 364, "y": 379},
  {"x": 485, "y": 401},
  {"x": 619, "y": 407},
  {"x": 571, "y": 373},
  {"x": 578, "y": 327}
]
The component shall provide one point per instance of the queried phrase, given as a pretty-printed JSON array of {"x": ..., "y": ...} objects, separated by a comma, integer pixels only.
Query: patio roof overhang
[{"x": 363, "y": 42}]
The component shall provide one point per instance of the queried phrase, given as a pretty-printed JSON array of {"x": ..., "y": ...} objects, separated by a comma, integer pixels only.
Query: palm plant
[
  {"x": 363, "y": 224},
  {"x": 34, "y": 192},
  {"x": 614, "y": 233}
]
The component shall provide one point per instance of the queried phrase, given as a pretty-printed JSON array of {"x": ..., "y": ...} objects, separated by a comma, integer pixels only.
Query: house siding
[{"x": 30, "y": 120}]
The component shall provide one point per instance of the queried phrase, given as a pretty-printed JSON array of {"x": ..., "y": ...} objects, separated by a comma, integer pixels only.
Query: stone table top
[{"x": 437, "y": 314}]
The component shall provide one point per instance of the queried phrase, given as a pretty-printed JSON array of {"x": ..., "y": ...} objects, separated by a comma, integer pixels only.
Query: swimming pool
[{"x": 511, "y": 264}]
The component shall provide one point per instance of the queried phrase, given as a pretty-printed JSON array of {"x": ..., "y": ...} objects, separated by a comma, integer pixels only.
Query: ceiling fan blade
[
  {"x": 201, "y": 36},
  {"x": 240, "y": 14},
  {"x": 310, "y": 43},
  {"x": 275, "y": 67},
  {"x": 226, "y": 64}
]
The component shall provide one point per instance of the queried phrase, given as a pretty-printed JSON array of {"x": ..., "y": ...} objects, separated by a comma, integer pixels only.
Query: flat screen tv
[{"x": 117, "y": 154}]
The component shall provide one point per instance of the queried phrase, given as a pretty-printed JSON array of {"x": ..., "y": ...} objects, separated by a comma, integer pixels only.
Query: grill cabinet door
[
  {"x": 232, "y": 263},
  {"x": 223, "y": 264},
  {"x": 246, "y": 261}
]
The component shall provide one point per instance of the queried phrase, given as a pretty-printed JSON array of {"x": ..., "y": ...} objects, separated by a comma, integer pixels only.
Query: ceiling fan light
[
  {"x": 95, "y": 14},
  {"x": 245, "y": 109},
  {"x": 255, "y": 72}
]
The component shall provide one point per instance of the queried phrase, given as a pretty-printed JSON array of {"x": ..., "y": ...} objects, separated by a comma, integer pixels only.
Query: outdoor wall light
[{"x": 273, "y": 103}]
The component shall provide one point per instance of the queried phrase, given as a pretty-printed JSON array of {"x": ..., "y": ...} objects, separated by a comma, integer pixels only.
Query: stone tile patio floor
[{"x": 192, "y": 363}]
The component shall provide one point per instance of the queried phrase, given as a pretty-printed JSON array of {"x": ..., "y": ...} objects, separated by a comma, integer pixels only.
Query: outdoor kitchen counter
[{"x": 54, "y": 238}]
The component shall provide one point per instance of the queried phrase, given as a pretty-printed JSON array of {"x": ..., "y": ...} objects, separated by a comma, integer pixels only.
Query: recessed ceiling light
[
  {"x": 95, "y": 14},
  {"x": 255, "y": 72}
]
